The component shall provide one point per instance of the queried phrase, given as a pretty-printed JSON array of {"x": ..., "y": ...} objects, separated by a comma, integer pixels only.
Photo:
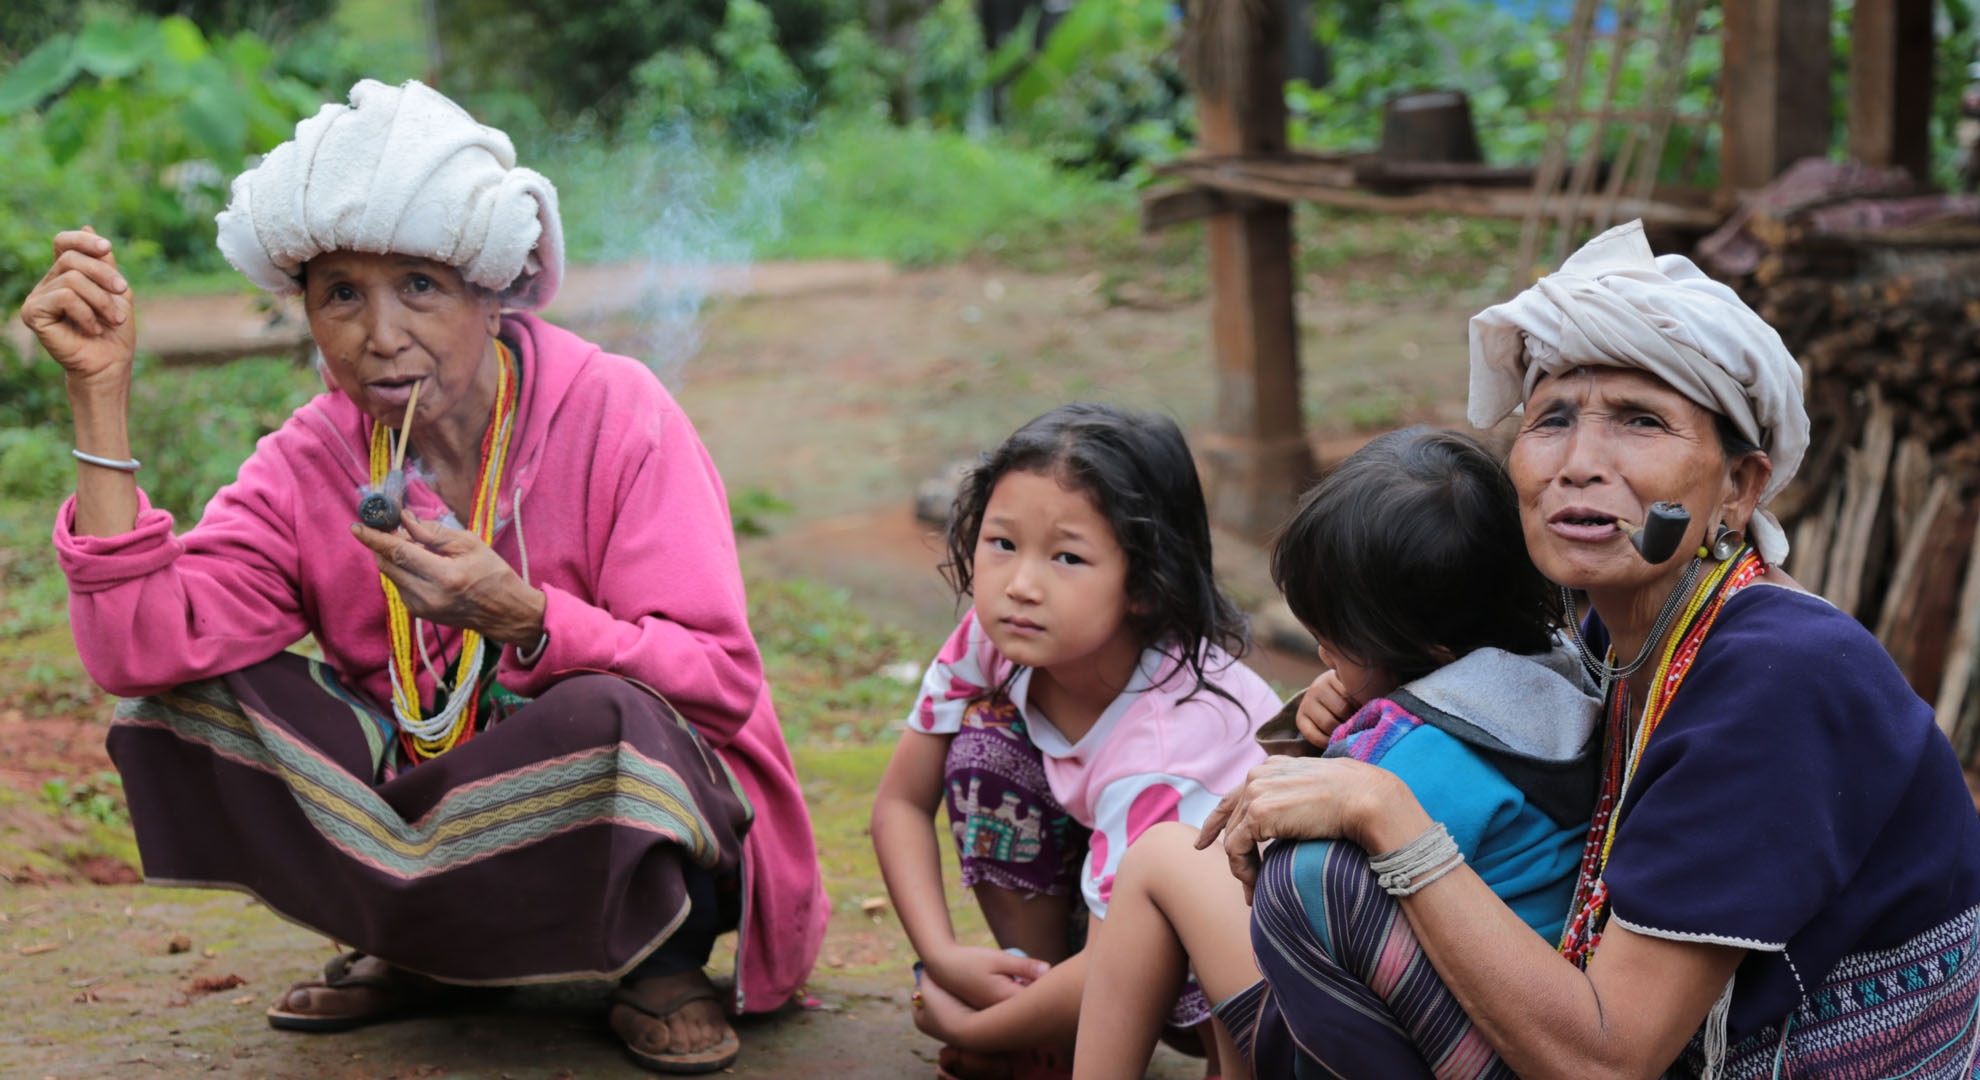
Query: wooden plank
[
  {"x": 1257, "y": 461},
  {"x": 1894, "y": 629},
  {"x": 1958, "y": 681},
  {"x": 1911, "y": 485},
  {"x": 1812, "y": 538},
  {"x": 1864, "y": 495},
  {"x": 1163, "y": 207},
  {"x": 1890, "y": 84},
  {"x": 1774, "y": 85},
  {"x": 1244, "y": 179},
  {"x": 1931, "y": 621}
]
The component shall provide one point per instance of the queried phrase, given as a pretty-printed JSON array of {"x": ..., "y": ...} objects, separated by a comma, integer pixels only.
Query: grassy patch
[
  {"x": 910, "y": 195},
  {"x": 40, "y": 838},
  {"x": 1391, "y": 257},
  {"x": 838, "y": 676}
]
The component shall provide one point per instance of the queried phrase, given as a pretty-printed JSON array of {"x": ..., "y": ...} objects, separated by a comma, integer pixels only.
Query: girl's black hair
[
  {"x": 1410, "y": 555},
  {"x": 1137, "y": 470}
]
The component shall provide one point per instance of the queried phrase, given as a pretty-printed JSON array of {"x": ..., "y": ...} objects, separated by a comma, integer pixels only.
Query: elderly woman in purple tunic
[{"x": 1782, "y": 876}]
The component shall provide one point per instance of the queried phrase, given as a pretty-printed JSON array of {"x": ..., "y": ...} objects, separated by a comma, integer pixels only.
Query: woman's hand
[
  {"x": 1324, "y": 707},
  {"x": 81, "y": 311},
  {"x": 448, "y": 576},
  {"x": 1289, "y": 798},
  {"x": 981, "y": 977}
]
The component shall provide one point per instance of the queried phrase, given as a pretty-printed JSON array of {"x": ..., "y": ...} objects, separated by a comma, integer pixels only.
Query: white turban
[
  {"x": 404, "y": 170},
  {"x": 1613, "y": 303}
]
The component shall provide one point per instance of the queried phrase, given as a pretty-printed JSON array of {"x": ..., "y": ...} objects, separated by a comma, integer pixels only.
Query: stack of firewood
[{"x": 1875, "y": 286}]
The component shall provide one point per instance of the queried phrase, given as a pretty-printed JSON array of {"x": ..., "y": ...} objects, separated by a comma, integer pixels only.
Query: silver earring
[{"x": 1727, "y": 542}]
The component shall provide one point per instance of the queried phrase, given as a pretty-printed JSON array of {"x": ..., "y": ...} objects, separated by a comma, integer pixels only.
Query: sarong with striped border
[
  {"x": 1359, "y": 1000},
  {"x": 548, "y": 847}
]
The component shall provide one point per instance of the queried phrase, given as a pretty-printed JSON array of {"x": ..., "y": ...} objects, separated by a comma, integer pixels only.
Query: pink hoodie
[{"x": 620, "y": 518}]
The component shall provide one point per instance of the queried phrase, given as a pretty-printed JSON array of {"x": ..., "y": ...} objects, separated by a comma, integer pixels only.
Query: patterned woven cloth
[{"x": 550, "y": 846}]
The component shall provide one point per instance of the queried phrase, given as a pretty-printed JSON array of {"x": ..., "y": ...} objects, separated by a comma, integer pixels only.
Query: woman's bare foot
[
  {"x": 674, "y": 1020},
  {"x": 355, "y": 990}
]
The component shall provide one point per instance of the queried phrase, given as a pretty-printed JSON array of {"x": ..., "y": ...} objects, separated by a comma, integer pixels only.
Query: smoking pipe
[
  {"x": 1658, "y": 538},
  {"x": 380, "y": 509}
]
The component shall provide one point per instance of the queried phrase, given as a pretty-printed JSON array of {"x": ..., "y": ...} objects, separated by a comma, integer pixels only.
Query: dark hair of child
[
  {"x": 1410, "y": 554},
  {"x": 1137, "y": 470}
]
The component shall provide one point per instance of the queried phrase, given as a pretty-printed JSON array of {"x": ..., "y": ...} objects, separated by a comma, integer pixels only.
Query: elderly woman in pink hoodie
[{"x": 539, "y": 745}]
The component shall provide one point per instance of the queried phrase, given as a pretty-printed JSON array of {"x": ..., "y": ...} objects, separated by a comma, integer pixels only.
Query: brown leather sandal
[
  {"x": 713, "y": 1059},
  {"x": 397, "y": 995}
]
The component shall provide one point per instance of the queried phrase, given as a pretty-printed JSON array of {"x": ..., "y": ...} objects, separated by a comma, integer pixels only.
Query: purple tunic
[{"x": 1798, "y": 801}]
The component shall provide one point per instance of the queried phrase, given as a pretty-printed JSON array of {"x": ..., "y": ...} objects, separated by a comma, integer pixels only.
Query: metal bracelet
[{"x": 129, "y": 465}]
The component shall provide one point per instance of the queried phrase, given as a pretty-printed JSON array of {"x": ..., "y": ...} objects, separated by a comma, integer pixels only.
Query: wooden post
[
  {"x": 1257, "y": 460},
  {"x": 1890, "y": 84},
  {"x": 1775, "y": 88}
]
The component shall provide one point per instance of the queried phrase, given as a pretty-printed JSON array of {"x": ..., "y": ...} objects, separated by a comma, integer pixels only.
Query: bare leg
[
  {"x": 1035, "y": 923},
  {"x": 1173, "y": 908}
]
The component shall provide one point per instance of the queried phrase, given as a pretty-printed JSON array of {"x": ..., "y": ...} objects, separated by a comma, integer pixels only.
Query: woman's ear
[{"x": 1746, "y": 478}]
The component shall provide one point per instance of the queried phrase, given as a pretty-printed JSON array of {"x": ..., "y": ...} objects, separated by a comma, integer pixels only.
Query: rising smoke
[{"x": 672, "y": 225}]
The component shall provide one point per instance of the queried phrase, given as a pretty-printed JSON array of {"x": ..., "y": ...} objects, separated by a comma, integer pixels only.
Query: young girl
[
  {"x": 1409, "y": 566},
  {"x": 1090, "y": 693}
]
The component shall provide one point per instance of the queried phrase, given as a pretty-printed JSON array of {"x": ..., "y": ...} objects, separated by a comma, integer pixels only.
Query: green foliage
[
  {"x": 133, "y": 125},
  {"x": 577, "y": 60},
  {"x": 856, "y": 74},
  {"x": 843, "y": 189},
  {"x": 34, "y": 465},
  {"x": 266, "y": 18},
  {"x": 743, "y": 87},
  {"x": 918, "y": 195},
  {"x": 100, "y": 798},
  {"x": 235, "y": 405},
  {"x": 1958, "y": 51},
  {"x": 1506, "y": 65},
  {"x": 946, "y": 65},
  {"x": 750, "y": 509},
  {"x": 1105, "y": 92}
]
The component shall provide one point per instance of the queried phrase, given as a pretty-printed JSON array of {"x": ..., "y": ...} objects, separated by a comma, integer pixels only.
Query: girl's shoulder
[
  {"x": 1182, "y": 719},
  {"x": 966, "y": 668},
  {"x": 1229, "y": 685}
]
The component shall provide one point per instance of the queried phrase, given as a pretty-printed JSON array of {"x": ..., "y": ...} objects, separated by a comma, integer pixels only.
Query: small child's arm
[
  {"x": 1045, "y": 1014},
  {"x": 909, "y": 851}
]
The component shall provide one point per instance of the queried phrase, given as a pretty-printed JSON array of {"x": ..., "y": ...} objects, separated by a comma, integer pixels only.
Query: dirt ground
[{"x": 838, "y": 392}]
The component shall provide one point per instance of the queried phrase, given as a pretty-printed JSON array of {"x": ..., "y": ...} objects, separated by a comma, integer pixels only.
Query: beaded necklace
[
  {"x": 1583, "y": 932},
  {"x": 427, "y": 734}
]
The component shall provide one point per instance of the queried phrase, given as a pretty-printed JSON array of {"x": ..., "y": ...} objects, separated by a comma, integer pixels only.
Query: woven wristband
[{"x": 1406, "y": 870}]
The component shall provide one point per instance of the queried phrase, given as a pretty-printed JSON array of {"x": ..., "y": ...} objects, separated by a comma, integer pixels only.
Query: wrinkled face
[
  {"x": 386, "y": 322},
  {"x": 1050, "y": 579},
  {"x": 1599, "y": 445}
]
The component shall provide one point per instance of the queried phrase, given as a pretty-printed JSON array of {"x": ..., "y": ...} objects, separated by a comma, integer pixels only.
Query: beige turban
[
  {"x": 401, "y": 169},
  {"x": 1613, "y": 303}
]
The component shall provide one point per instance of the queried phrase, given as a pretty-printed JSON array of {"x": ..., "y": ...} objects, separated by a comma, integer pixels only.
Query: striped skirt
[
  {"x": 550, "y": 846},
  {"x": 1346, "y": 986},
  {"x": 1348, "y": 992}
]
